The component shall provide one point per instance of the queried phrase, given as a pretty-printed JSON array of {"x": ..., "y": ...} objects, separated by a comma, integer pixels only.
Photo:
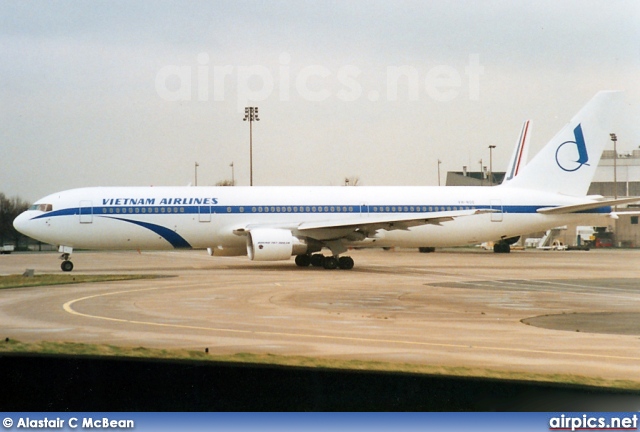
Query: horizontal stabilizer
[
  {"x": 574, "y": 208},
  {"x": 616, "y": 215}
]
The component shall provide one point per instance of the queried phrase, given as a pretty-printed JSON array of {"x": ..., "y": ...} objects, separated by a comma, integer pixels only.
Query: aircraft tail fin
[
  {"x": 520, "y": 153},
  {"x": 567, "y": 164}
]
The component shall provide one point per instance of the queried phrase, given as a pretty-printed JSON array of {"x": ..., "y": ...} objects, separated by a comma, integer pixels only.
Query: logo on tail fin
[{"x": 566, "y": 152}]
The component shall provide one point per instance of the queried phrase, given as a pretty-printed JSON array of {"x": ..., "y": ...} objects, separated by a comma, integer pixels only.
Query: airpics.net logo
[
  {"x": 205, "y": 81},
  {"x": 589, "y": 422}
]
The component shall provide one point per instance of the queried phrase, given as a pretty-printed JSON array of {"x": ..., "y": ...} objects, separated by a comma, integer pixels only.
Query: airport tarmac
[{"x": 537, "y": 312}]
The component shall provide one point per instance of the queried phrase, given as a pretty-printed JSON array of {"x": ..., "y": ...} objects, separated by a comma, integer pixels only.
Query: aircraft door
[
  {"x": 497, "y": 206},
  {"x": 86, "y": 212},
  {"x": 364, "y": 209},
  {"x": 204, "y": 213}
]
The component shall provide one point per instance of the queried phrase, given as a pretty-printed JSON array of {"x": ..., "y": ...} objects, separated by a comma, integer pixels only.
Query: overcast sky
[{"x": 109, "y": 93}]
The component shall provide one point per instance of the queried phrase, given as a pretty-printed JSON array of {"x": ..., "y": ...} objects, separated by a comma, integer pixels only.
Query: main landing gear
[
  {"x": 504, "y": 245},
  {"x": 501, "y": 247},
  {"x": 328, "y": 262}
]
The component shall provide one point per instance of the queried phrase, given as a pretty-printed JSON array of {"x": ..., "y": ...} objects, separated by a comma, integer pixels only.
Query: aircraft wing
[
  {"x": 387, "y": 222},
  {"x": 573, "y": 208},
  {"x": 366, "y": 225}
]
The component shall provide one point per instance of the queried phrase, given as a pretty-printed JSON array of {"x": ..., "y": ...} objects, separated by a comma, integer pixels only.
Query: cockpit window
[{"x": 42, "y": 207}]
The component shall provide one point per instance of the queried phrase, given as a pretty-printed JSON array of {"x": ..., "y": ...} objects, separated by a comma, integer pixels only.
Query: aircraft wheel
[
  {"x": 345, "y": 263},
  {"x": 303, "y": 260},
  {"x": 501, "y": 248},
  {"x": 317, "y": 260},
  {"x": 66, "y": 266},
  {"x": 330, "y": 263}
]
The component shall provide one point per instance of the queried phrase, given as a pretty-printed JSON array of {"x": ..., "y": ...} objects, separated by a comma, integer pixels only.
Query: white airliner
[{"x": 276, "y": 223}]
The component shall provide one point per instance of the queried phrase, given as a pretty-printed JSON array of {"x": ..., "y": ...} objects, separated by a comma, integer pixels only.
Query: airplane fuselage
[{"x": 213, "y": 217}]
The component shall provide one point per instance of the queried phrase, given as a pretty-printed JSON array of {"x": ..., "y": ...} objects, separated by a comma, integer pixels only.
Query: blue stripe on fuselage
[{"x": 176, "y": 240}]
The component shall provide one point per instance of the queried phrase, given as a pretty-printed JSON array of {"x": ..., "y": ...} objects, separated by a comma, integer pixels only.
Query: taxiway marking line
[{"x": 69, "y": 309}]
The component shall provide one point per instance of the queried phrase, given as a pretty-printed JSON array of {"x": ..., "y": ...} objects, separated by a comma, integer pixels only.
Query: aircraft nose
[{"x": 21, "y": 223}]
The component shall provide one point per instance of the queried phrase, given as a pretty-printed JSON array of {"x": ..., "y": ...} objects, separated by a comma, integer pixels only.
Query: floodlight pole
[
  {"x": 439, "y": 162},
  {"x": 491, "y": 147},
  {"x": 614, "y": 138},
  {"x": 251, "y": 114},
  {"x": 196, "y": 176}
]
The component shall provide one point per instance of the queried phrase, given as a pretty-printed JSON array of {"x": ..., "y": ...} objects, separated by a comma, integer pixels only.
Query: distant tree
[
  {"x": 225, "y": 183},
  {"x": 352, "y": 181},
  {"x": 10, "y": 208}
]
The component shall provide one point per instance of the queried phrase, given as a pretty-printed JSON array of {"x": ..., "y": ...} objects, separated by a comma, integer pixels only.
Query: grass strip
[{"x": 19, "y": 281}]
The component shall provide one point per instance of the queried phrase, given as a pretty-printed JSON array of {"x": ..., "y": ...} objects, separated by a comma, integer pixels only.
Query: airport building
[
  {"x": 474, "y": 178},
  {"x": 621, "y": 232},
  {"x": 625, "y": 183}
]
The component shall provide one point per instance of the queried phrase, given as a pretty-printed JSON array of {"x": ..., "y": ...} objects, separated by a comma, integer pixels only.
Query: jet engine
[{"x": 273, "y": 244}]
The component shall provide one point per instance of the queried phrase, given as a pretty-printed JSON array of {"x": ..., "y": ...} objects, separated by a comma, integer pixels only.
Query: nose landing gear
[{"x": 66, "y": 265}]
